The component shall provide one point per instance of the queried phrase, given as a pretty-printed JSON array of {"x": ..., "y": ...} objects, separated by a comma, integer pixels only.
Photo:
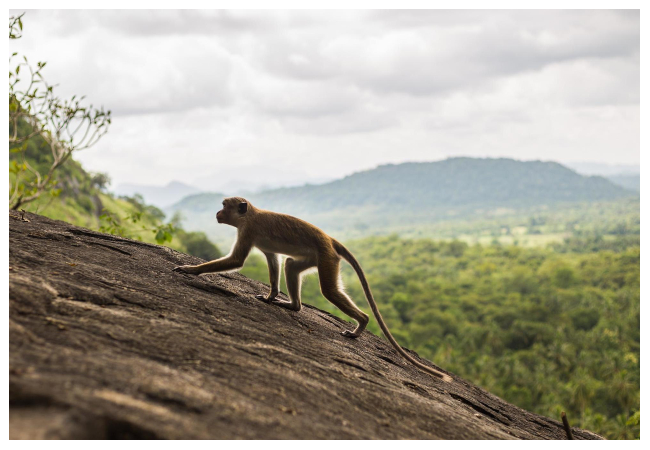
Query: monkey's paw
[
  {"x": 349, "y": 334},
  {"x": 266, "y": 298},
  {"x": 185, "y": 269},
  {"x": 281, "y": 303}
]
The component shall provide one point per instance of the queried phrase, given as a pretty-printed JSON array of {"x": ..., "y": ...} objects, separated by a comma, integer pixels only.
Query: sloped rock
[{"x": 107, "y": 342}]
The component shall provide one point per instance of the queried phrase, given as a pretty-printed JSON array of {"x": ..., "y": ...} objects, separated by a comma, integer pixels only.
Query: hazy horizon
[
  {"x": 262, "y": 96},
  {"x": 586, "y": 168}
]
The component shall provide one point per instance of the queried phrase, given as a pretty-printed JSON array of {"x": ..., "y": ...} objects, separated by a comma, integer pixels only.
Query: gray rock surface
[{"x": 107, "y": 342}]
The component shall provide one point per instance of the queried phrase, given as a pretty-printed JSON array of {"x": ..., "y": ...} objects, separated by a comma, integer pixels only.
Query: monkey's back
[{"x": 289, "y": 235}]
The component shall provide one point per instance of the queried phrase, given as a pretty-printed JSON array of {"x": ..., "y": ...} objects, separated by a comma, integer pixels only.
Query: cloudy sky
[{"x": 257, "y": 97}]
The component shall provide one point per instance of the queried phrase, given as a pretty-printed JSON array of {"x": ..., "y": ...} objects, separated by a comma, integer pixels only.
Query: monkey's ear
[{"x": 243, "y": 207}]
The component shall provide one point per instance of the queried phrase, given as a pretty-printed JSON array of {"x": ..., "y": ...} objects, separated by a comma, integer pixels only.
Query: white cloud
[{"x": 331, "y": 92}]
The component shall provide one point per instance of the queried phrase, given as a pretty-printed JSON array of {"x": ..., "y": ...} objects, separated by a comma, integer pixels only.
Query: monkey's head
[{"x": 233, "y": 211}]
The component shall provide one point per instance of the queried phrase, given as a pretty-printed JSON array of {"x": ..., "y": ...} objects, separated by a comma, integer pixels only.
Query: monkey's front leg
[
  {"x": 192, "y": 270},
  {"x": 235, "y": 260},
  {"x": 219, "y": 265},
  {"x": 273, "y": 261}
]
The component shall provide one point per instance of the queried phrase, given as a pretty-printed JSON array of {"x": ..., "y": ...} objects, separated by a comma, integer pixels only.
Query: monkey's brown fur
[{"x": 307, "y": 247}]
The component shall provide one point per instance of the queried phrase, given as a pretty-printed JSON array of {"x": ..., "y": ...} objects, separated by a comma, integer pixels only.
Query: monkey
[{"x": 306, "y": 247}]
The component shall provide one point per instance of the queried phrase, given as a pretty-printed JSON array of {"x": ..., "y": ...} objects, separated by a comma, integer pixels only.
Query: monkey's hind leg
[{"x": 330, "y": 286}]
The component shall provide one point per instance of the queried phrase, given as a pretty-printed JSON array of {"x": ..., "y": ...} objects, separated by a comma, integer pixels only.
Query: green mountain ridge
[
  {"x": 402, "y": 195},
  {"x": 455, "y": 182}
]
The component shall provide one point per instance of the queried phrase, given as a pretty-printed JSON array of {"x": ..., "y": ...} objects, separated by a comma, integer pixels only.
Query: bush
[{"x": 197, "y": 244}]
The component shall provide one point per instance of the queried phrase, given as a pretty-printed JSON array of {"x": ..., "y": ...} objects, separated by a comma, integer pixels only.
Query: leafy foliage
[
  {"x": 112, "y": 223},
  {"x": 196, "y": 243},
  {"x": 37, "y": 119}
]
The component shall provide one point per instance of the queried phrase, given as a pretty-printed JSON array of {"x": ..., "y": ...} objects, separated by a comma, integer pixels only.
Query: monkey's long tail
[{"x": 345, "y": 254}]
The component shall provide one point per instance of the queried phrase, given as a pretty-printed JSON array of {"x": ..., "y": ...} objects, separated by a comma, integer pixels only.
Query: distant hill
[
  {"x": 455, "y": 183},
  {"x": 394, "y": 195},
  {"x": 160, "y": 196},
  {"x": 627, "y": 176},
  {"x": 591, "y": 168},
  {"x": 631, "y": 181}
]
